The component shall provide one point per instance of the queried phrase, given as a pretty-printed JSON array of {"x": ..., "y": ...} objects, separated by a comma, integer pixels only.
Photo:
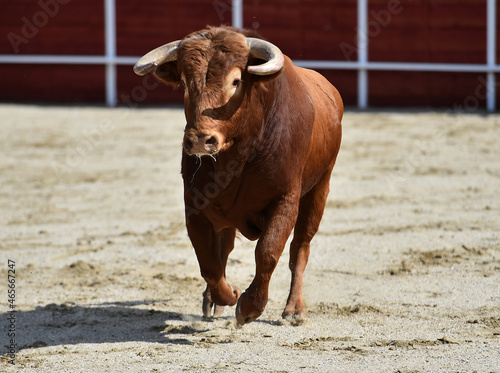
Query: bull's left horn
[
  {"x": 149, "y": 62},
  {"x": 265, "y": 51}
]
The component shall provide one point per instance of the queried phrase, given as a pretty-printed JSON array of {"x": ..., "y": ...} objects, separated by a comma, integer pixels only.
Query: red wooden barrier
[{"x": 449, "y": 31}]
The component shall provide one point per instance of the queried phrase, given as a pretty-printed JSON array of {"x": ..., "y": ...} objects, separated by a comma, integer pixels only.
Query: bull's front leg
[
  {"x": 212, "y": 250},
  {"x": 267, "y": 253}
]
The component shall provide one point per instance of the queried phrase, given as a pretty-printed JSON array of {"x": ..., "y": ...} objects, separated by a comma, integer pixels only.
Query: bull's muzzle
[{"x": 201, "y": 144}]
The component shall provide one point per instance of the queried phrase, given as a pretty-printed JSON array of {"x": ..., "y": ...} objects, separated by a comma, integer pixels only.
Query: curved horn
[
  {"x": 265, "y": 51},
  {"x": 149, "y": 62}
]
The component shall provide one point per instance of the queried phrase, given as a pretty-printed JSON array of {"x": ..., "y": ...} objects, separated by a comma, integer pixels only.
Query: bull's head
[{"x": 213, "y": 66}]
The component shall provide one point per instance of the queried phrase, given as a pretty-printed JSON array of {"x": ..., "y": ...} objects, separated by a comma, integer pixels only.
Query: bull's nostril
[
  {"x": 211, "y": 141},
  {"x": 211, "y": 144},
  {"x": 188, "y": 144}
]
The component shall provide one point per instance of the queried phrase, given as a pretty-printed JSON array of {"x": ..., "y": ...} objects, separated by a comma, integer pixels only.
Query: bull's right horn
[
  {"x": 149, "y": 62},
  {"x": 265, "y": 51}
]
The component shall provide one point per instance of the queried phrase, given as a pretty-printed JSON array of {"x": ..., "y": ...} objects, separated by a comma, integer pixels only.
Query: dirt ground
[{"x": 404, "y": 274}]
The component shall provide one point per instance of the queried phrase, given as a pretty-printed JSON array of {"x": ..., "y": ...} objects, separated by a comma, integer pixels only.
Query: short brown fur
[{"x": 277, "y": 140}]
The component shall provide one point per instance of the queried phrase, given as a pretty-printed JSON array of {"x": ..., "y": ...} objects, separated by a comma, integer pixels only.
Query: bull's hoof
[
  {"x": 295, "y": 307},
  {"x": 213, "y": 310},
  {"x": 207, "y": 309},
  {"x": 241, "y": 319},
  {"x": 244, "y": 313},
  {"x": 296, "y": 319}
]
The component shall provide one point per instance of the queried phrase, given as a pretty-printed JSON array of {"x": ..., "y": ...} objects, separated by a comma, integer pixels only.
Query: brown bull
[{"x": 261, "y": 139}]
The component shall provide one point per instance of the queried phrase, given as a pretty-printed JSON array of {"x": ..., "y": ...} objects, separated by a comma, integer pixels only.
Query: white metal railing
[
  {"x": 491, "y": 53},
  {"x": 110, "y": 43},
  {"x": 237, "y": 13},
  {"x": 362, "y": 65},
  {"x": 362, "y": 38}
]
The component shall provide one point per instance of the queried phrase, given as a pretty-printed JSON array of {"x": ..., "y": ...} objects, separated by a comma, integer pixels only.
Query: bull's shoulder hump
[
  {"x": 313, "y": 79},
  {"x": 320, "y": 89}
]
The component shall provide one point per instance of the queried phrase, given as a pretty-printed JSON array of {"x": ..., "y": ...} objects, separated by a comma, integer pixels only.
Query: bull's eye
[
  {"x": 183, "y": 84},
  {"x": 232, "y": 82}
]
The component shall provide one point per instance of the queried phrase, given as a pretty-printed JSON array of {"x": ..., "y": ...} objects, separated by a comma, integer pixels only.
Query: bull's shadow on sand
[{"x": 68, "y": 324}]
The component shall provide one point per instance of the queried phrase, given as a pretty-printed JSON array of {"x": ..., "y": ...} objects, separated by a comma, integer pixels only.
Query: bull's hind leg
[
  {"x": 282, "y": 217},
  {"x": 311, "y": 210}
]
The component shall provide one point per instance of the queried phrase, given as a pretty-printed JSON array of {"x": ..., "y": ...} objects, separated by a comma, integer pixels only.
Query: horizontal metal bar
[
  {"x": 397, "y": 66},
  {"x": 127, "y": 60},
  {"x": 314, "y": 64},
  {"x": 55, "y": 59},
  {"x": 438, "y": 67},
  {"x": 70, "y": 60}
]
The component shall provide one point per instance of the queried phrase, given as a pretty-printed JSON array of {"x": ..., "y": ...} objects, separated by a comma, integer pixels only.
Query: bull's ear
[{"x": 168, "y": 73}]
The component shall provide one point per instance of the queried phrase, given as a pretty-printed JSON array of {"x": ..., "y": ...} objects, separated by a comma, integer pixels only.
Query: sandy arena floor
[{"x": 404, "y": 273}]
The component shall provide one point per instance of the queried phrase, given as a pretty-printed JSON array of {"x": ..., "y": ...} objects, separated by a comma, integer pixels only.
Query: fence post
[
  {"x": 491, "y": 54},
  {"x": 110, "y": 42},
  {"x": 362, "y": 53},
  {"x": 237, "y": 13}
]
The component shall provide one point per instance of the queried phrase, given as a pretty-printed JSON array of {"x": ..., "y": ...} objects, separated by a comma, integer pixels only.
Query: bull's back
[{"x": 327, "y": 129}]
